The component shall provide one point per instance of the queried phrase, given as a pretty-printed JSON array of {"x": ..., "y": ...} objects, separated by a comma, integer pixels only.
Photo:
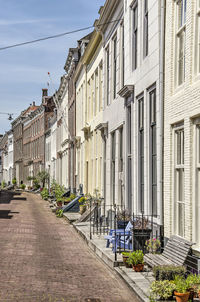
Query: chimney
[
  {"x": 33, "y": 103},
  {"x": 44, "y": 92}
]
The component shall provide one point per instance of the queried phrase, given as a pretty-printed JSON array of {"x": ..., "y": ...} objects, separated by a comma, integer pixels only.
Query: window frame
[
  {"x": 145, "y": 30},
  {"x": 134, "y": 34},
  {"x": 180, "y": 39},
  {"x": 179, "y": 205},
  {"x": 141, "y": 153}
]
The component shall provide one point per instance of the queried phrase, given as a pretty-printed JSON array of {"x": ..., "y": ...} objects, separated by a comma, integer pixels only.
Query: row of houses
[{"x": 125, "y": 120}]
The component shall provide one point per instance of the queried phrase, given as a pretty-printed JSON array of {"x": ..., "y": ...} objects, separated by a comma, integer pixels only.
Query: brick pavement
[{"x": 42, "y": 258}]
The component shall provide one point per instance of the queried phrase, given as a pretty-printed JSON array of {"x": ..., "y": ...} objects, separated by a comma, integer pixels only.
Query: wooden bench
[{"x": 175, "y": 253}]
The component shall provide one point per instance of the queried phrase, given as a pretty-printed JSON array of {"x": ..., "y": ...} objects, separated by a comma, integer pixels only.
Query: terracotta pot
[
  {"x": 59, "y": 203},
  {"x": 138, "y": 267},
  {"x": 125, "y": 258},
  {"x": 180, "y": 297},
  {"x": 82, "y": 209}
]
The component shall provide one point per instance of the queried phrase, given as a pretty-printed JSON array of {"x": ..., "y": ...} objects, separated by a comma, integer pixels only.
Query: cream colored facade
[
  {"x": 62, "y": 136},
  {"x": 113, "y": 126},
  {"x": 89, "y": 106},
  {"x": 182, "y": 121}
]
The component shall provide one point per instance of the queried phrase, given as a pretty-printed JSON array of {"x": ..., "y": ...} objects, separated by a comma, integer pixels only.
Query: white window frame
[
  {"x": 134, "y": 36},
  {"x": 145, "y": 30},
  {"x": 197, "y": 40},
  {"x": 196, "y": 188},
  {"x": 180, "y": 34},
  {"x": 178, "y": 169}
]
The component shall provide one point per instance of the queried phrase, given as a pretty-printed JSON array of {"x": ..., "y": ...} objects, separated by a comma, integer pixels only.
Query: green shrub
[
  {"x": 136, "y": 257},
  {"x": 72, "y": 196},
  {"x": 22, "y": 186},
  {"x": 3, "y": 184},
  {"x": 161, "y": 290},
  {"x": 168, "y": 272},
  {"x": 59, "y": 213},
  {"x": 36, "y": 184},
  {"x": 181, "y": 286},
  {"x": 14, "y": 181},
  {"x": 44, "y": 193},
  {"x": 59, "y": 191},
  {"x": 82, "y": 200}
]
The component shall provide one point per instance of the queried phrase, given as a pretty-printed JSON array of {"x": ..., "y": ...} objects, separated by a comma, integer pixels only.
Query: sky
[{"x": 24, "y": 70}]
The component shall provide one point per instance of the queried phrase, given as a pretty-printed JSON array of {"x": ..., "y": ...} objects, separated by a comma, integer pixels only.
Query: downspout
[{"x": 162, "y": 68}]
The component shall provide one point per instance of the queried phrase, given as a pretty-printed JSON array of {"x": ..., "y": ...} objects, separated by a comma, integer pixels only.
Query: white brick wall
[{"x": 181, "y": 104}]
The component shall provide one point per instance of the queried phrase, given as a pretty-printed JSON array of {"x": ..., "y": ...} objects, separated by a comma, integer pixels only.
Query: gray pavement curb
[{"x": 129, "y": 282}]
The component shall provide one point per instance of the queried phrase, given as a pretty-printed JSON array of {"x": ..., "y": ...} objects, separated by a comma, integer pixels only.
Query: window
[
  {"x": 113, "y": 145},
  {"x": 100, "y": 86},
  {"x": 121, "y": 151},
  {"x": 114, "y": 66},
  {"x": 153, "y": 151},
  {"x": 96, "y": 91},
  {"x": 197, "y": 50},
  {"x": 179, "y": 183},
  {"x": 196, "y": 209},
  {"x": 134, "y": 33},
  {"x": 141, "y": 152},
  {"x": 180, "y": 37},
  {"x": 122, "y": 55},
  {"x": 145, "y": 41},
  {"x": 107, "y": 75}
]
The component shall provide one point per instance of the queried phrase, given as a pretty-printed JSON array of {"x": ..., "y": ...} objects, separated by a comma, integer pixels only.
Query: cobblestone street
[{"x": 44, "y": 259}]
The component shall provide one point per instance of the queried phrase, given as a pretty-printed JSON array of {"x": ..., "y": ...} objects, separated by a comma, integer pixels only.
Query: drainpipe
[{"x": 161, "y": 76}]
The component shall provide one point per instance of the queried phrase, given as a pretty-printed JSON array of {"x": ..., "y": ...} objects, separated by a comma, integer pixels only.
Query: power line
[{"x": 57, "y": 36}]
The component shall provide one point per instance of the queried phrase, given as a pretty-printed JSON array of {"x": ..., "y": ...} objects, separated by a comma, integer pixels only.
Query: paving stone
[{"x": 44, "y": 259}]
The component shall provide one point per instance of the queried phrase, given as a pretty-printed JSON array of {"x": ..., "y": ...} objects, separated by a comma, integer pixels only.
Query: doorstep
[
  {"x": 71, "y": 217},
  {"x": 138, "y": 282}
]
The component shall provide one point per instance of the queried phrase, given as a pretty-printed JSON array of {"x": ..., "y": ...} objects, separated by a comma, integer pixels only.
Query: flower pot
[
  {"x": 125, "y": 258},
  {"x": 138, "y": 267},
  {"x": 82, "y": 209},
  {"x": 182, "y": 297},
  {"x": 59, "y": 203}
]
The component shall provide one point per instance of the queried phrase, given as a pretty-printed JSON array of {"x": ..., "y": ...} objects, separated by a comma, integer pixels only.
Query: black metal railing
[{"x": 113, "y": 220}]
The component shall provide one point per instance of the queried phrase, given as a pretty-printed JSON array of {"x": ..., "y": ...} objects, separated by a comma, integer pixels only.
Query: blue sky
[{"x": 23, "y": 70}]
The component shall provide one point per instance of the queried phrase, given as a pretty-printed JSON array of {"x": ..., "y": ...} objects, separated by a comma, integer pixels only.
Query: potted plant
[
  {"x": 125, "y": 256},
  {"x": 161, "y": 290},
  {"x": 181, "y": 289},
  {"x": 82, "y": 205},
  {"x": 193, "y": 283},
  {"x": 136, "y": 259}
]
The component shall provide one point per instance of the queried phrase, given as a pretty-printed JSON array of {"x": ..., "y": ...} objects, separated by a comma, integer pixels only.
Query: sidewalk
[{"x": 138, "y": 282}]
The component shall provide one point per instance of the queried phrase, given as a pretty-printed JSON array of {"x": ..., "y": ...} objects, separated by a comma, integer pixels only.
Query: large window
[
  {"x": 114, "y": 67},
  {"x": 180, "y": 38},
  {"x": 113, "y": 154},
  {"x": 145, "y": 33},
  {"x": 134, "y": 34},
  {"x": 197, "y": 61},
  {"x": 179, "y": 218},
  {"x": 129, "y": 153},
  {"x": 153, "y": 151},
  {"x": 122, "y": 54},
  {"x": 141, "y": 152},
  {"x": 107, "y": 75},
  {"x": 196, "y": 208},
  {"x": 121, "y": 163}
]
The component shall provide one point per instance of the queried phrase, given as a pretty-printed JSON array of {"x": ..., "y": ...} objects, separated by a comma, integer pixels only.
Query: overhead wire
[{"x": 58, "y": 35}]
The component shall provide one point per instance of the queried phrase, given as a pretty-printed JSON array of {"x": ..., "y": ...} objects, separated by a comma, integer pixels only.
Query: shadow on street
[
  {"x": 7, "y": 196},
  {"x": 7, "y": 214}
]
